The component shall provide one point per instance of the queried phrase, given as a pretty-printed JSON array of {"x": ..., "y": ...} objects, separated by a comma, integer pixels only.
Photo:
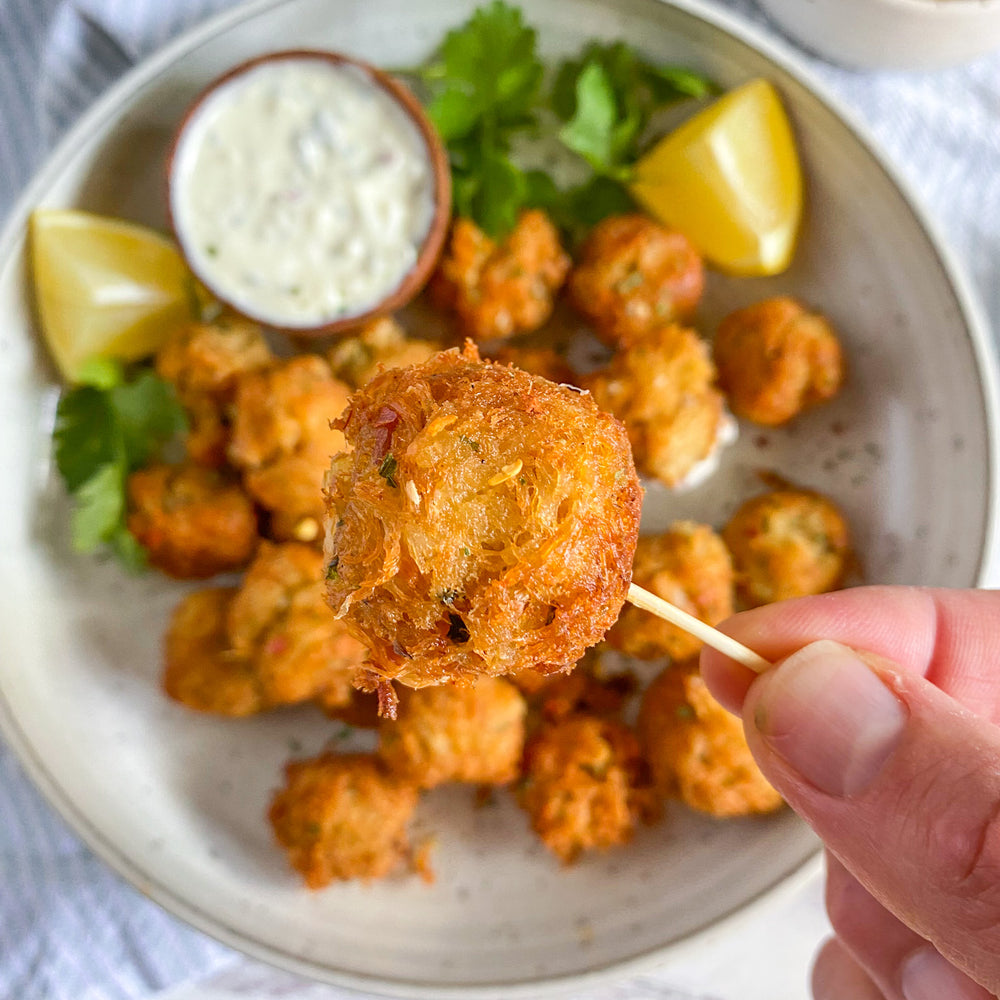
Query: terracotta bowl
[{"x": 429, "y": 250}]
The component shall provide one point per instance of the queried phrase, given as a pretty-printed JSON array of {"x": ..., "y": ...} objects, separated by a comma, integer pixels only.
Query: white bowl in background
[
  {"x": 892, "y": 34},
  {"x": 176, "y": 801}
]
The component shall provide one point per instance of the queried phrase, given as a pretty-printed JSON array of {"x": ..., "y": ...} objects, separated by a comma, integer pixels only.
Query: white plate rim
[{"x": 985, "y": 354}]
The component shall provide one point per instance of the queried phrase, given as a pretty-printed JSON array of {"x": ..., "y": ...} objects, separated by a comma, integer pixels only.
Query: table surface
[{"x": 943, "y": 132}]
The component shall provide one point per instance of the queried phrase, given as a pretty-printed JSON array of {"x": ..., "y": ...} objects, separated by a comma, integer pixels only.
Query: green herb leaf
[
  {"x": 104, "y": 430},
  {"x": 590, "y": 132},
  {"x": 148, "y": 414},
  {"x": 387, "y": 470},
  {"x": 99, "y": 508},
  {"x": 484, "y": 84}
]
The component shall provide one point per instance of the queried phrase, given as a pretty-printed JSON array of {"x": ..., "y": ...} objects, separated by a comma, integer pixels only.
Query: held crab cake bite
[{"x": 484, "y": 522}]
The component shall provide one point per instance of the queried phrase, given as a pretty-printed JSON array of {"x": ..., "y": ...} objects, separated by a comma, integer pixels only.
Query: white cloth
[{"x": 69, "y": 928}]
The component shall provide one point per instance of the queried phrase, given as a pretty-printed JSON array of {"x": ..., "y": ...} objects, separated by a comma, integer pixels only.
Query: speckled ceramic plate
[{"x": 176, "y": 801}]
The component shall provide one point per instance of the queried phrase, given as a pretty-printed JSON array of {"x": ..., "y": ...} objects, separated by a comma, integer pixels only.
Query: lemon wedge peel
[{"x": 730, "y": 179}]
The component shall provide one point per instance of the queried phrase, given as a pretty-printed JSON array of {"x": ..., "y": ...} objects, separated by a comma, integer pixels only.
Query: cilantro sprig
[
  {"x": 484, "y": 84},
  {"x": 107, "y": 426},
  {"x": 485, "y": 87}
]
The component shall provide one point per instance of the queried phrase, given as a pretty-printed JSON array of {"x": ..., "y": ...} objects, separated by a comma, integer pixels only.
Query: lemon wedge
[
  {"x": 105, "y": 288},
  {"x": 729, "y": 179}
]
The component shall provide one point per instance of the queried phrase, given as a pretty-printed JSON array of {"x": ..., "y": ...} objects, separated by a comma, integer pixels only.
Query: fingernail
[
  {"x": 927, "y": 975},
  {"x": 830, "y": 717}
]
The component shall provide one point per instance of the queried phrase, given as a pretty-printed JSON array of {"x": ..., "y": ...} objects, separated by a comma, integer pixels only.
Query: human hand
[{"x": 892, "y": 755}]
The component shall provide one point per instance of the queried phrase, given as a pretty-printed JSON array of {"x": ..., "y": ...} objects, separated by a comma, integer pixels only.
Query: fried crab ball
[
  {"x": 775, "y": 359},
  {"x": 689, "y": 566},
  {"x": 270, "y": 642},
  {"x": 583, "y": 786},
  {"x": 201, "y": 670},
  {"x": 282, "y": 441},
  {"x": 204, "y": 362},
  {"x": 494, "y": 289},
  {"x": 279, "y": 617},
  {"x": 696, "y": 750},
  {"x": 787, "y": 543},
  {"x": 469, "y": 733},
  {"x": 634, "y": 276},
  {"x": 663, "y": 389},
  {"x": 484, "y": 522},
  {"x": 382, "y": 342},
  {"x": 342, "y": 816},
  {"x": 192, "y": 522}
]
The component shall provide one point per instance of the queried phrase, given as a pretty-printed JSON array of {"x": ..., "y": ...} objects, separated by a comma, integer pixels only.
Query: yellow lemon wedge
[
  {"x": 729, "y": 179},
  {"x": 105, "y": 288}
]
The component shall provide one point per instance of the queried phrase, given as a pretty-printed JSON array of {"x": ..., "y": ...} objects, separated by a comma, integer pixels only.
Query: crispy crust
[{"x": 498, "y": 535}]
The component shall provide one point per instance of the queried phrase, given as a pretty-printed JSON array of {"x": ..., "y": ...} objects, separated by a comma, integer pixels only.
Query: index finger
[{"x": 949, "y": 636}]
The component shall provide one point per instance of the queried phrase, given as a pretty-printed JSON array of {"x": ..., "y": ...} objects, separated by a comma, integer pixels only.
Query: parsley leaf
[
  {"x": 606, "y": 99},
  {"x": 104, "y": 430},
  {"x": 484, "y": 87}
]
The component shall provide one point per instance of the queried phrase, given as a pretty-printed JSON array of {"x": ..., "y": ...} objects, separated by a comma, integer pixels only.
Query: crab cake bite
[
  {"x": 496, "y": 290},
  {"x": 280, "y": 620},
  {"x": 282, "y": 441},
  {"x": 201, "y": 671},
  {"x": 204, "y": 361},
  {"x": 382, "y": 342},
  {"x": 582, "y": 786},
  {"x": 342, "y": 817},
  {"x": 634, "y": 276},
  {"x": 787, "y": 543},
  {"x": 469, "y": 733},
  {"x": 663, "y": 389},
  {"x": 484, "y": 522},
  {"x": 689, "y": 566},
  {"x": 192, "y": 522},
  {"x": 696, "y": 750},
  {"x": 775, "y": 359}
]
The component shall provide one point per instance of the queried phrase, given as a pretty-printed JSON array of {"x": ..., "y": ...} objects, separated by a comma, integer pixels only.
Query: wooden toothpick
[{"x": 708, "y": 635}]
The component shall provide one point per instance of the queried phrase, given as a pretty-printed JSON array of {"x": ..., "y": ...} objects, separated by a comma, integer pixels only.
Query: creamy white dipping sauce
[{"x": 302, "y": 191}]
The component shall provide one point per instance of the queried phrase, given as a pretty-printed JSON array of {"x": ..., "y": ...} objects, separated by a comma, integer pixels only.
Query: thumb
[{"x": 900, "y": 781}]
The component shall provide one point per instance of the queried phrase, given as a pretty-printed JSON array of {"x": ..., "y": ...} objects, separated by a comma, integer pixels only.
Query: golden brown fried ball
[
  {"x": 697, "y": 751},
  {"x": 634, "y": 276},
  {"x": 342, "y": 817},
  {"x": 538, "y": 360},
  {"x": 582, "y": 784},
  {"x": 787, "y": 543},
  {"x": 689, "y": 566},
  {"x": 204, "y": 361},
  {"x": 191, "y": 521},
  {"x": 663, "y": 389},
  {"x": 775, "y": 359},
  {"x": 484, "y": 522},
  {"x": 282, "y": 441},
  {"x": 280, "y": 619},
  {"x": 497, "y": 290},
  {"x": 202, "y": 671},
  {"x": 470, "y": 733},
  {"x": 383, "y": 341}
]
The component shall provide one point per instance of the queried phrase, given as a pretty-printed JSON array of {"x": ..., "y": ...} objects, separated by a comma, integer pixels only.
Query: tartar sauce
[{"x": 302, "y": 191}]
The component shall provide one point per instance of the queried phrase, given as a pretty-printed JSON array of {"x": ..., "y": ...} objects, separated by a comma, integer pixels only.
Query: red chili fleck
[
  {"x": 277, "y": 645},
  {"x": 385, "y": 424}
]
